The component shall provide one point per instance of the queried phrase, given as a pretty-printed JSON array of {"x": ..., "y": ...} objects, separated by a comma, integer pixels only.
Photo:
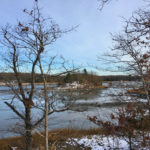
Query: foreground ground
[{"x": 69, "y": 139}]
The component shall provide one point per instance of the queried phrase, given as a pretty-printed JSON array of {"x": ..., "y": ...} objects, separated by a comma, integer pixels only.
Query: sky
[{"x": 91, "y": 38}]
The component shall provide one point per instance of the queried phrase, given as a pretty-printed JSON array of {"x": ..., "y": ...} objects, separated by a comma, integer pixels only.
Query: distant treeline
[
  {"x": 120, "y": 77},
  {"x": 61, "y": 79},
  {"x": 25, "y": 77},
  {"x": 81, "y": 77}
]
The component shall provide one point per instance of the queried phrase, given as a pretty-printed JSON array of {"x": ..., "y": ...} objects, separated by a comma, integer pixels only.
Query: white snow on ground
[
  {"x": 68, "y": 86},
  {"x": 96, "y": 142}
]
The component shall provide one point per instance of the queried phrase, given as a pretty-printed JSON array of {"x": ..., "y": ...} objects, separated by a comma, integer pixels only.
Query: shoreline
[
  {"x": 37, "y": 83},
  {"x": 64, "y": 87}
]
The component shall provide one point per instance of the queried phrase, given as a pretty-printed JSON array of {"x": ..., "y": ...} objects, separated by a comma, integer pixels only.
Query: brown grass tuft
[{"x": 56, "y": 137}]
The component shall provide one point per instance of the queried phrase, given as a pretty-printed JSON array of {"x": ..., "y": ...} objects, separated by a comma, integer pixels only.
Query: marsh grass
[{"x": 57, "y": 138}]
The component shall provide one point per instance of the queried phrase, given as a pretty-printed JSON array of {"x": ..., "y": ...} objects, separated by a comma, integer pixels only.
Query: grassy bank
[{"x": 56, "y": 137}]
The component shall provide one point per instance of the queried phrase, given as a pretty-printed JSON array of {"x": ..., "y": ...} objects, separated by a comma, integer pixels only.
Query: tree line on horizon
[{"x": 69, "y": 77}]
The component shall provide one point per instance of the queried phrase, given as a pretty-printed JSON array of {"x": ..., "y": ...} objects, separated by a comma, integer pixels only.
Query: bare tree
[
  {"x": 103, "y": 3},
  {"x": 25, "y": 45},
  {"x": 130, "y": 52}
]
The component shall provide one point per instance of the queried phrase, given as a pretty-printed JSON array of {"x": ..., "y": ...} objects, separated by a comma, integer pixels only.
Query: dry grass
[
  {"x": 56, "y": 137},
  {"x": 137, "y": 91}
]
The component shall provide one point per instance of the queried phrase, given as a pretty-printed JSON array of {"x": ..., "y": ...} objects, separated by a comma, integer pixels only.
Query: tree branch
[{"x": 14, "y": 110}]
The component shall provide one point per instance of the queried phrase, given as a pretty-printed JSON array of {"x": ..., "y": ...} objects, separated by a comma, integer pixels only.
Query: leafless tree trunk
[
  {"x": 49, "y": 107},
  {"x": 46, "y": 105}
]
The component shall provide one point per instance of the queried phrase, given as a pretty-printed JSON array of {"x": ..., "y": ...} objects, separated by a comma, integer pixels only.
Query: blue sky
[{"x": 91, "y": 38}]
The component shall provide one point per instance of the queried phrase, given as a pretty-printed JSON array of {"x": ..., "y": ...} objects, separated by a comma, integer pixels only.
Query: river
[{"x": 94, "y": 102}]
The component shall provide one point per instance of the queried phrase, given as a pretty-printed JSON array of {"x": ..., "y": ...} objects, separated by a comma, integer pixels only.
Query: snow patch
[{"x": 96, "y": 142}]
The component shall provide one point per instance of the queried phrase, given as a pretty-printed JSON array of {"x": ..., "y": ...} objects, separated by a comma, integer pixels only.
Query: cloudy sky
[{"x": 91, "y": 38}]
